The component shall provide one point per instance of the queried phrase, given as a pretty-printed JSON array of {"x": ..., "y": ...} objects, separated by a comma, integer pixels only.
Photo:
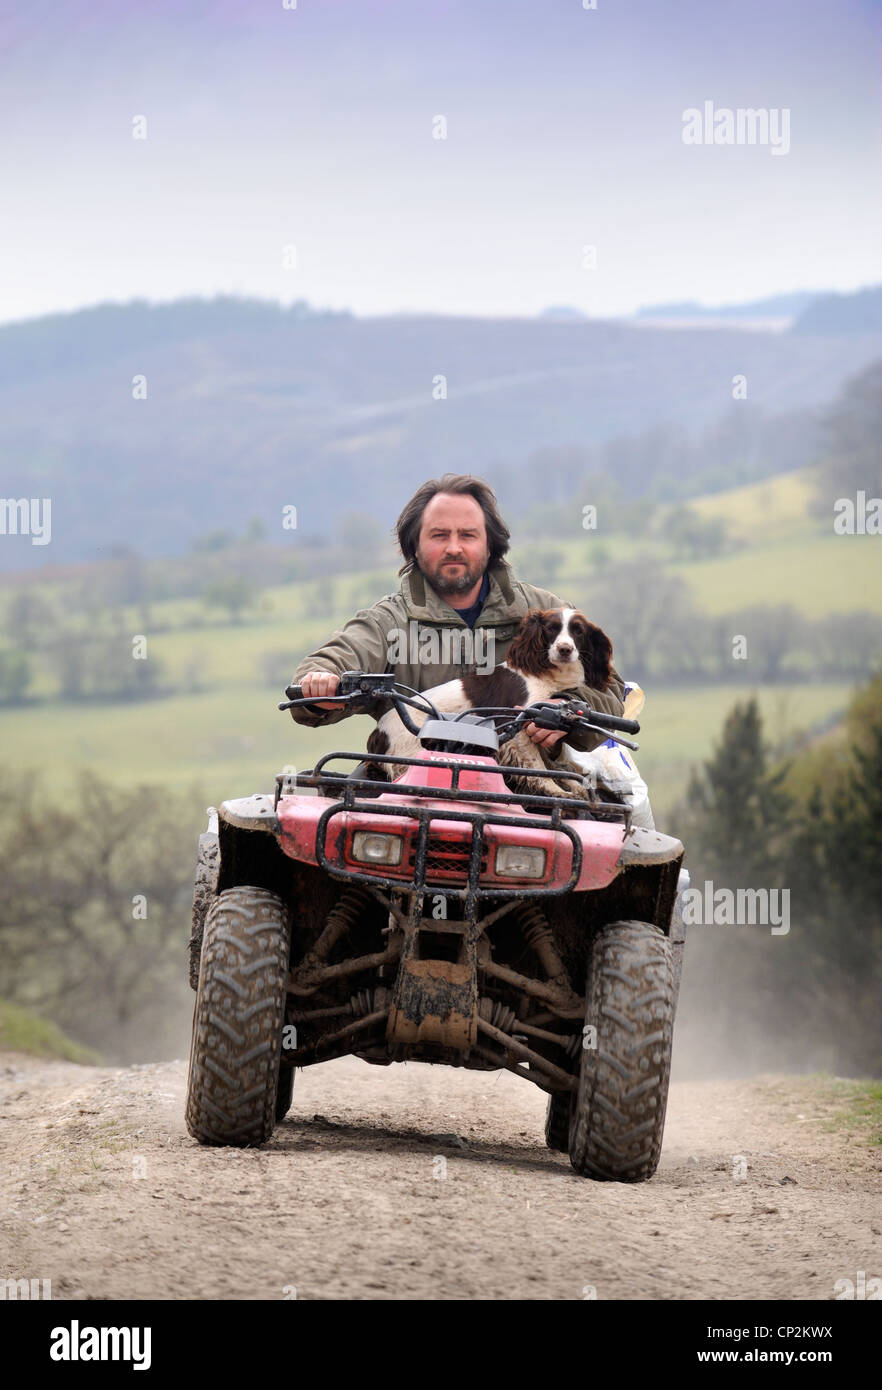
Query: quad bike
[{"x": 440, "y": 917}]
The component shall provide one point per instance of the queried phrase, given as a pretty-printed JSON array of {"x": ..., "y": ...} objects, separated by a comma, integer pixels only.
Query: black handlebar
[{"x": 363, "y": 687}]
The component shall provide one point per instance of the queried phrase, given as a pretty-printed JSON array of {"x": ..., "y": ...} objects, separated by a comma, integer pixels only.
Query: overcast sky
[{"x": 313, "y": 128}]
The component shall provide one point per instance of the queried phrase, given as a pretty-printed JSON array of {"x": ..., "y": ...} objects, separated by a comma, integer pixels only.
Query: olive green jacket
[{"x": 425, "y": 642}]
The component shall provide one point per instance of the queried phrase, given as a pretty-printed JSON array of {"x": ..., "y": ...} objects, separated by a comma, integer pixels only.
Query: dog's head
[{"x": 559, "y": 640}]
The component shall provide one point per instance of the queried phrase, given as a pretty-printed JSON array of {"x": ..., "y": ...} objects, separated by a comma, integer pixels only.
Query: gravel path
[{"x": 422, "y": 1182}]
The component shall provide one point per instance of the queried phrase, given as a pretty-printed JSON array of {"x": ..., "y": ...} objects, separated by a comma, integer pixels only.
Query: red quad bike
[{"x": 440, "y": 917}]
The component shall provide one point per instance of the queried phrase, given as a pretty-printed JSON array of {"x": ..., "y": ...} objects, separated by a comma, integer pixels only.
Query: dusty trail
[{"x": 349, "y": 1205}]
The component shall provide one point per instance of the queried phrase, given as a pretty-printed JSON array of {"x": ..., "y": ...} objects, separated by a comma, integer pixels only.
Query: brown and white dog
[{"x": 554, "y": 650}]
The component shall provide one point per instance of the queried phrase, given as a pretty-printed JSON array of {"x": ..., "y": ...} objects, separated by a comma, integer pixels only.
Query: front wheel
[
  {"x": 233, "y": 1083},
  {"x": 618, "y": 1113}
]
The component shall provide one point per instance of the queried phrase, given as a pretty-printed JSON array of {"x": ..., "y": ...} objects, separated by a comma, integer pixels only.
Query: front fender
[{"x": 255, "y": 812}]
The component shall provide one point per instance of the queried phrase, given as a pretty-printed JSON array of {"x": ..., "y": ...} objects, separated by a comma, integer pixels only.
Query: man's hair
[{"x": 407, "y": 527}]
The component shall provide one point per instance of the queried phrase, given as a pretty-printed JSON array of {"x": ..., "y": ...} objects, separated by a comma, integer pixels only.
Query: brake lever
[
  {"x": 559, "y": 718},
  {"x": 607, "y": 734}
]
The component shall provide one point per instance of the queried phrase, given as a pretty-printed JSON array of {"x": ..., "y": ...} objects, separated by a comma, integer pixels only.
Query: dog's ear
[
  {"x": 596, "y": 651},
  {"x": 528, "y": 652}
]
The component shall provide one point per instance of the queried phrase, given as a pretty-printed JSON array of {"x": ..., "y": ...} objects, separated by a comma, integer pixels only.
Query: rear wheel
[
  {"x": 204, "y": 889},
  {"x": 619, "y": 1109},
  {"x": 233, "y": 1084},
  {"x": 285, "y": 1093},
  {"x": 557, "y": 1121}
]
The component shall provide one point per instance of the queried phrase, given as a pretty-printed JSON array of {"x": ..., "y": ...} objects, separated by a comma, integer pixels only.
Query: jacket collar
[{"x": 423, "y": 602}]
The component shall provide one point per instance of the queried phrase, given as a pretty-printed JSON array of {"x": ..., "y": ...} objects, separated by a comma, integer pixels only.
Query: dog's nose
[{"x": 564, "y": 649}]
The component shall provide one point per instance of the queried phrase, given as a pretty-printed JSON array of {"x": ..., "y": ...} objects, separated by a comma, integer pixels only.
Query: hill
[
  {"x": 776, "y": 306},
  {"x": 250, "y": 408},
  {"x": 843, "y": 314}
]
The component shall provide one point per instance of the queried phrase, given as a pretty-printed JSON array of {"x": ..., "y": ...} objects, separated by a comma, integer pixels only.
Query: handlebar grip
[
  {"x": 612, "y": 721},
  {"x": 294, "y": 692}
]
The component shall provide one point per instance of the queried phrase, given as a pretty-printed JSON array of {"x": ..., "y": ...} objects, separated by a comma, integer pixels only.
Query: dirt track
[{"x": 349, "y": 1205}]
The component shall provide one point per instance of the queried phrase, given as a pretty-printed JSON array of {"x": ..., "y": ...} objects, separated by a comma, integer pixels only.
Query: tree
[
  {"x": 854, "y": 828},
  {"x": 633, "y": 603},
  {"x": 126, "y": 577},
  {"x": 114, "y": 673},
  {"x": 541, "y": 564},
  {"x": 773, "y": 632},
  {"x": 810, "y": 997},
  {"x": 213, "y": 540},
  {"x": 695, "y": 537},
  {"x": 97, "y": 887},
  {"x": 15, "y": 677},
  {"x": 232, "y": 592},
  {"x": 255, "y": 531},
  {"x": 847, "y": 644},
  {"x": 852, "y": 459},
  {"x": 30, "y": 620},
  {"x": 275, "y": 668},
  {"x": 321, "y": 599},
  {"x": 739, "y": 811},
  {"x": 71, "y": 665}
]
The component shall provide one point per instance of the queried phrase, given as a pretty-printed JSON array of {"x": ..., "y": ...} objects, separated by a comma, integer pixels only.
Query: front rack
[{"x": 577, "y": 810}]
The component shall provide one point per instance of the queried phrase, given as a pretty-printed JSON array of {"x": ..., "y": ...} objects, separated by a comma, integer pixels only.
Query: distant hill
[
  {"x": 250, "y": 408},
  {"x": 777, "y": 306},
  {"x": 843, "y": 313}
]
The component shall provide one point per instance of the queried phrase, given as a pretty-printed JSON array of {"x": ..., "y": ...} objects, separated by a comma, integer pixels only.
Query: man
[{"x": 456, "y": 612}]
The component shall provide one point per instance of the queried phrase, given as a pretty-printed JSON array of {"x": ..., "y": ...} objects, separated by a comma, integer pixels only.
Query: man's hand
[
  {"x": 321, "y": 683},
  {"x": 546, "y": 738}
]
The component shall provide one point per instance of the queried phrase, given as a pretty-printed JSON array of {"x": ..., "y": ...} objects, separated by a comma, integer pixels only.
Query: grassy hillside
[
  {"x": 817, "y": 574},
  {"x": 23, "y": 1031},
  {"x": 773, "y": 509},
  {"x": 784, "y": 556}
]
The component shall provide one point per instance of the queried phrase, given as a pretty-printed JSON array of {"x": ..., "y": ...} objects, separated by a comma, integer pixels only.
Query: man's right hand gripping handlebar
[{"x": 321, "y": 683}]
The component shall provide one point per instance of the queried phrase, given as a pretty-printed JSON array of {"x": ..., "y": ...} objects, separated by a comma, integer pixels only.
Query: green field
[
  {"x": 231, "y": 742},
  {"x": 23, "y": 1031},
  {"x": 220, "y": 731},
  {"x": 817, "y": 574}
]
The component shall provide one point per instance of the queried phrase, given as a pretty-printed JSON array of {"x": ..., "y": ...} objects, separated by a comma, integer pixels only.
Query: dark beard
[{"x": 458, "y": 582}]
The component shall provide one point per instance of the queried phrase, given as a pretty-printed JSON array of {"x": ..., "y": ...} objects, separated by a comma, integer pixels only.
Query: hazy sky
[{"x": 313, "y": 128}]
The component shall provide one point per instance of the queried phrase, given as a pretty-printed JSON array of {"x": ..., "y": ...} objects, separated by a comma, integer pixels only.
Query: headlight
[
  {"x": 517, "y": 861},
  {"x": 370, "y": 848}
]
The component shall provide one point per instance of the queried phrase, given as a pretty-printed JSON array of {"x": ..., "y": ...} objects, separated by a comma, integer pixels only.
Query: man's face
[{"x": 452, "y": 550}]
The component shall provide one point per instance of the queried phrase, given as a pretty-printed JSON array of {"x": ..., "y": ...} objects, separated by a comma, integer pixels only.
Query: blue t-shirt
[{"x": 469, "y": 615}]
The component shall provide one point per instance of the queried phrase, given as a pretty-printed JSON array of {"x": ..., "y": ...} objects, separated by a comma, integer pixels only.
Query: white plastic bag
[{"x": 613, "y": 766}]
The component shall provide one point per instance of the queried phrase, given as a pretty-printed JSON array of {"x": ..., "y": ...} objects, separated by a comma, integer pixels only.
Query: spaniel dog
[{"x": 553, "y": 651}]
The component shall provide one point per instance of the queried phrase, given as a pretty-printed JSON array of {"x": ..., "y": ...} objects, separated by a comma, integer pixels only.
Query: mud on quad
[{"x": 440, "y": 917}]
